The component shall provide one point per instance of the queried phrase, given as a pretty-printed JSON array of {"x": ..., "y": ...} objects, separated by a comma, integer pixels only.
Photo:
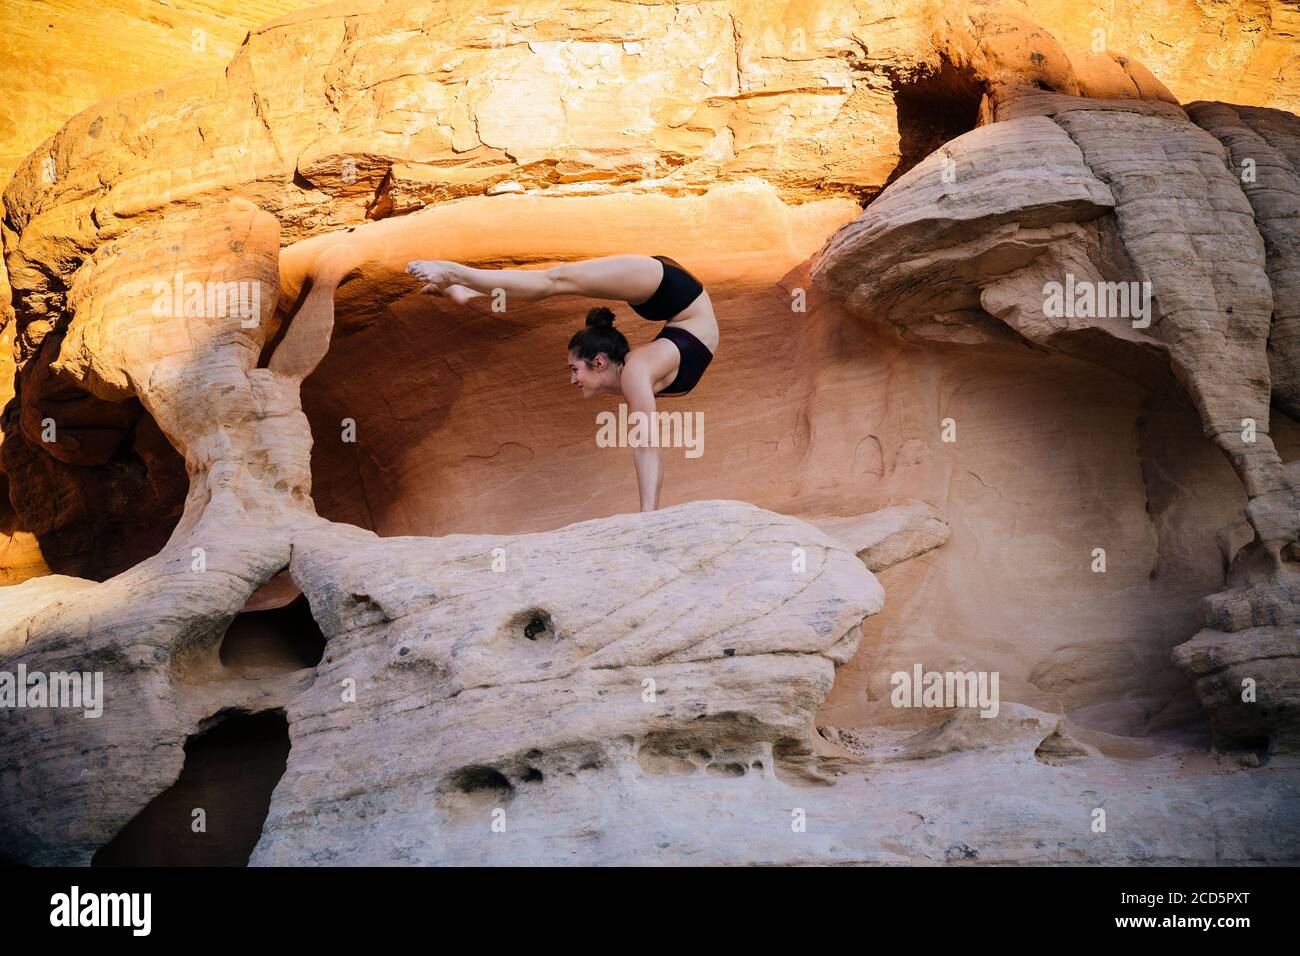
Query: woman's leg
[
  {"x": 521, "y": 285},
  {"x": 631, "y": 278}
]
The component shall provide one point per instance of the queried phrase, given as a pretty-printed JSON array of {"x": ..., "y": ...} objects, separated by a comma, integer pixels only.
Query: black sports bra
[{"x": 677, "y": 289}]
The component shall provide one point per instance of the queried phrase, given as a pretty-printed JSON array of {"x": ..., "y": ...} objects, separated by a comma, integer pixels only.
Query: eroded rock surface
[
  {"x": 965, "y": 248},
  {"x": 891, "y": 535},
  {"x": 451, "y": 666},
  {"x": 397, "y": 542}
]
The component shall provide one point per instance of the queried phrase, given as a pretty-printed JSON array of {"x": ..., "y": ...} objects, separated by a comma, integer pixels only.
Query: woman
[{"x": 600, "y": 360}]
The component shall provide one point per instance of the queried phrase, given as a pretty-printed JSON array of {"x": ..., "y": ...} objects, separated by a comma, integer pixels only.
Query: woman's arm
[
  {"x": 649, "y": 476},
  {"x": 639, "y": 392}
]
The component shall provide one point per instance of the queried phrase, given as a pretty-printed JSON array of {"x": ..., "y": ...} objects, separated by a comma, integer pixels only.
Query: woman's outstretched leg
[
  {"x": 521, "y": 285},
  {"x": 631, "y": 278}
]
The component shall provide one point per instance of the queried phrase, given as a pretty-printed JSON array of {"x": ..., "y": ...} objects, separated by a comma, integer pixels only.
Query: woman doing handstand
[{"x": 600, "y": 360}]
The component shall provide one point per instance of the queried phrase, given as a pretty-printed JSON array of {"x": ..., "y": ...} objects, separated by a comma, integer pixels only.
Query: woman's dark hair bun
[
  {"x": 599, "y": 336},
  {"x": 600, "y": 317}
]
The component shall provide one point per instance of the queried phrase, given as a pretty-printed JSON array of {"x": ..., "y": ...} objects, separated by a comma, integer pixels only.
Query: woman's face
[{"x": 583, "y": 376}]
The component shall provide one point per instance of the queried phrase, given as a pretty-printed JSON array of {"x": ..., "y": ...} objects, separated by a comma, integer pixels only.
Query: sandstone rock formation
[
  {"x": 468, "y": 674},
  {"x": 1077, "y": 191},
  {"x": 62, "y": 58},
  {"x": 891, "y": 535},
  {"x": 395, "y": 581}
]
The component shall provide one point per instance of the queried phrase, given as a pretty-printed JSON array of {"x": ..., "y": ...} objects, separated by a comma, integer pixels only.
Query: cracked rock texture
[{"x": 372, "y": 555}]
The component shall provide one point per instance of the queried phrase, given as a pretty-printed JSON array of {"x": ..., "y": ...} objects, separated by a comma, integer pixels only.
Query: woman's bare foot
[
  {"x": 459, "y": 294},
  {"x": 436, "y": 272},
  {"x": 439, "y": 276}
]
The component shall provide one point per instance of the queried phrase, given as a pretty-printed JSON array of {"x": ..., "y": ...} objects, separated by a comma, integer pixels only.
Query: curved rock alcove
[{"x": 398, "y": 543}]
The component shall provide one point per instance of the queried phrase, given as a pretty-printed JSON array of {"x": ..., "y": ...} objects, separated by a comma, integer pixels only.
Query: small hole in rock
[
  {"x": 727, "y": 769},
  {"x": 275, "y": 641},
  {"x": 476, "y": 779},
  {"x": 532, "y": 623}
]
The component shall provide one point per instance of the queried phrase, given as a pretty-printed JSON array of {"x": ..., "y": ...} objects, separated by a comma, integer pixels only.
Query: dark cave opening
[
  {"x": 475, "y": 779},
  {"x": 229, "y": 774},
  {"x": 934, "y": 108},
  {"x": 273, "y": 641},
  {"x": 97, "y": 482}
]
